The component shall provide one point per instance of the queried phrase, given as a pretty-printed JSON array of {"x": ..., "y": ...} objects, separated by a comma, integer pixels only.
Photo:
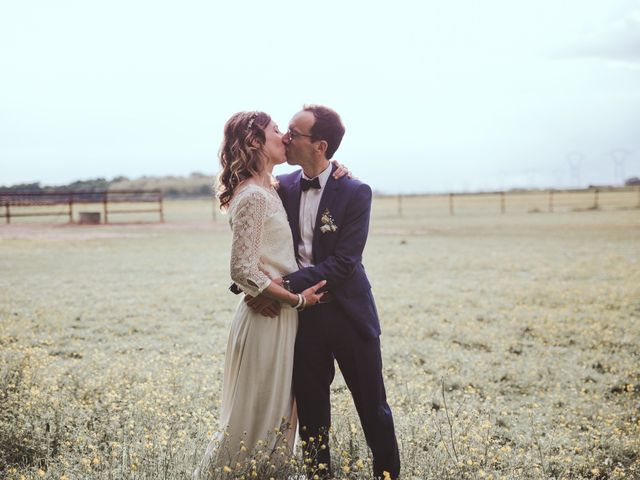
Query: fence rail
[
  {"x": 13, "y": 203},
  {"x": 550, "y": 200}
]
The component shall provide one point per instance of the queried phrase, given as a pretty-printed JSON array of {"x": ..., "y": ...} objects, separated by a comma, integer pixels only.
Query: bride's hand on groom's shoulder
[{"x": 341, "y": 170}]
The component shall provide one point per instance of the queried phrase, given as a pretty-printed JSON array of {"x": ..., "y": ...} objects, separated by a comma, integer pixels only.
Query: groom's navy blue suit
[{"x": 346, "y": 328}]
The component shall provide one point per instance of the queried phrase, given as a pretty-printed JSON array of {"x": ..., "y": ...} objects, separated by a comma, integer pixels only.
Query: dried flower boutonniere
[{"x": 328, "y": 223}]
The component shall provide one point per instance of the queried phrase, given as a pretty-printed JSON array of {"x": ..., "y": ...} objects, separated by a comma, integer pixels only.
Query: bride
[{"x": 258, "y": 408}]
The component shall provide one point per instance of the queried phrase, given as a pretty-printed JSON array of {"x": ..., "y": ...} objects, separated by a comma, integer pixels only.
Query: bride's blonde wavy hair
[{"x": 241, "y": 154}]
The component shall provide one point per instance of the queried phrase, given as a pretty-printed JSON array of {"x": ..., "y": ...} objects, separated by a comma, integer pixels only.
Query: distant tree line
[
  {"x": 84, "y": 185},
  {"x": 195, "y": 185}
]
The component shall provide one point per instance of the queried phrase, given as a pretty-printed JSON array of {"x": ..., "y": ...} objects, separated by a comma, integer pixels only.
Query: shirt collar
[{"x": 323, "y": 177}]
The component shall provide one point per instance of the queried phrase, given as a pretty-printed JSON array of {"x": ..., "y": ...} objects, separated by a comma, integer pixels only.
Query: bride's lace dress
[{"x": 257, "y": 394}]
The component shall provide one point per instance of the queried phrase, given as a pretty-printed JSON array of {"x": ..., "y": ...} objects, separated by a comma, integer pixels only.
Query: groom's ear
[{"x": 321, "y": 147}]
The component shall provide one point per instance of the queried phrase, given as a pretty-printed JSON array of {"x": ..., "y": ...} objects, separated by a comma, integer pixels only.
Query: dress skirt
[{"x": 258, "y": 409}]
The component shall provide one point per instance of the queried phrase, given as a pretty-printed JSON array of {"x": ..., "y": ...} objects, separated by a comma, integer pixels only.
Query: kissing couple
[{"x": 296, "y": 254}]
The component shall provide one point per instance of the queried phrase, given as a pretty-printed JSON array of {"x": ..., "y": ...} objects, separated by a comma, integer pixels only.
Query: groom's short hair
[{"x": 327, "y": 126}]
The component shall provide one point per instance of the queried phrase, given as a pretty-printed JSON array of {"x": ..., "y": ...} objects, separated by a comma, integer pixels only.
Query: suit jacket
[{"x": 337, "y": 255}]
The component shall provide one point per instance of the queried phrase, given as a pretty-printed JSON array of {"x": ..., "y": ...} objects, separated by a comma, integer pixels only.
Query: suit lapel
[
  {"x": 326, "y": 202},
  {"x": 294, "y": 211}
]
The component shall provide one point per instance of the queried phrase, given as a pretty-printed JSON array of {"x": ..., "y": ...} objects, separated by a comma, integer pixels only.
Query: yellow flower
[
  {"x": 346, "y": 469},
  {"x": 360, "y": 463},
  {"x": 41, "y": 472},
  {"x": 386, "y": 475},
  {"x": 227, "y": 469}
]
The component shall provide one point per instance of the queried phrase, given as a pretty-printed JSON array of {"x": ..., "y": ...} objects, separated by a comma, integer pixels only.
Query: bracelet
[
  {"x": 304, "y": 304},
  {"x": 300, "y": 301}
]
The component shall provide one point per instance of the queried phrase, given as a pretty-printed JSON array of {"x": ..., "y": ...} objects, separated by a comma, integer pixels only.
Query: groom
[{"x": 329, "y": 219}]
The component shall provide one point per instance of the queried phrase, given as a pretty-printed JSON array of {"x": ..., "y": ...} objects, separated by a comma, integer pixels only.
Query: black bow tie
[{"x": 307, "y": 184}]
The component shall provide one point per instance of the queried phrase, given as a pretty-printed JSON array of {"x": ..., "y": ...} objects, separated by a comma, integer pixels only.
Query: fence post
[
  {"x": 451, "y": 204},
  {"x": 503, "y": 206},
  {"x": 104, "y": 205},
  {"x": 550, "y": 201},
  {"x": 70, "y": 207},
  {"x": 7, "y": 212},
  {"x": 595, "y": 199},
  {"x": 161, "y": 206},
  {"x": 399, "y": 204}
]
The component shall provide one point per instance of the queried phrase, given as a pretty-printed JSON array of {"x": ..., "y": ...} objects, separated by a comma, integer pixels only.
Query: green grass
[{"x": 112, "y": 344}]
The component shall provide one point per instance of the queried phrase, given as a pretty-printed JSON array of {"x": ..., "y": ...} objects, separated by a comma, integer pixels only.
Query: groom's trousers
[{"x": 325, "y": 334}]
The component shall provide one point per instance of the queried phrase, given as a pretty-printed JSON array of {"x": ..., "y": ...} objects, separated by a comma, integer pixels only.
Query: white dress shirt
[{"x": 309, "y": 203}]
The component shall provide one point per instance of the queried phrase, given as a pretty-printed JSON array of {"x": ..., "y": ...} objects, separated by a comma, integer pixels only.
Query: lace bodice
[{"x": 262, "y": 240}]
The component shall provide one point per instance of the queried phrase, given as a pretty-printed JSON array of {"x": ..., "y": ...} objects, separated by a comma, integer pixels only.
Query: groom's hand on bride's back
[{"x": 263, "y": 305}]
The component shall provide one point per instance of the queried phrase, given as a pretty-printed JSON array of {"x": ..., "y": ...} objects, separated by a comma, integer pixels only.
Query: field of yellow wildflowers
[{"x": 511, "y": 345}]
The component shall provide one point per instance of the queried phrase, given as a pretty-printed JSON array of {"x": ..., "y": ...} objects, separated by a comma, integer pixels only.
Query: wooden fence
[
  {"x": 524, "y": 200},
  {"x": 32, "y": 204}
]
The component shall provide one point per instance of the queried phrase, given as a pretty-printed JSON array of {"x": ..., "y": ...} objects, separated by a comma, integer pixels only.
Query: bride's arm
[{"x": 247, "y": 225}]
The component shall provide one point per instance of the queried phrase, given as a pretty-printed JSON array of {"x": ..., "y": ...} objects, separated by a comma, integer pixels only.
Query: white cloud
[{"x": 616, "y": 39}]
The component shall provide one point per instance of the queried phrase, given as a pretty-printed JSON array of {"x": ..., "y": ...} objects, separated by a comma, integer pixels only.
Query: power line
[{"x": 574, "y": 159}]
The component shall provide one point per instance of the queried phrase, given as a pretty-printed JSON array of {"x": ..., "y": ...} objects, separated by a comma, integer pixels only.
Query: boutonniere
[{"x": 328, "y": 223}]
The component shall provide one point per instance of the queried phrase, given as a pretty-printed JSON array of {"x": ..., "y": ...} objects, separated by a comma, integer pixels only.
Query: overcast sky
[{"x": 435, "y": 96}]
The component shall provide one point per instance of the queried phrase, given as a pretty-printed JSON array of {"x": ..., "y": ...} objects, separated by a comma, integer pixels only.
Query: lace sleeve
[{"x": 247, "y": 221}]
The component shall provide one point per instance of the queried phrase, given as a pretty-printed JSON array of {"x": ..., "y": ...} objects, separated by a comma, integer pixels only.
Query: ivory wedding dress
[{"x": 257, "y": 393}]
